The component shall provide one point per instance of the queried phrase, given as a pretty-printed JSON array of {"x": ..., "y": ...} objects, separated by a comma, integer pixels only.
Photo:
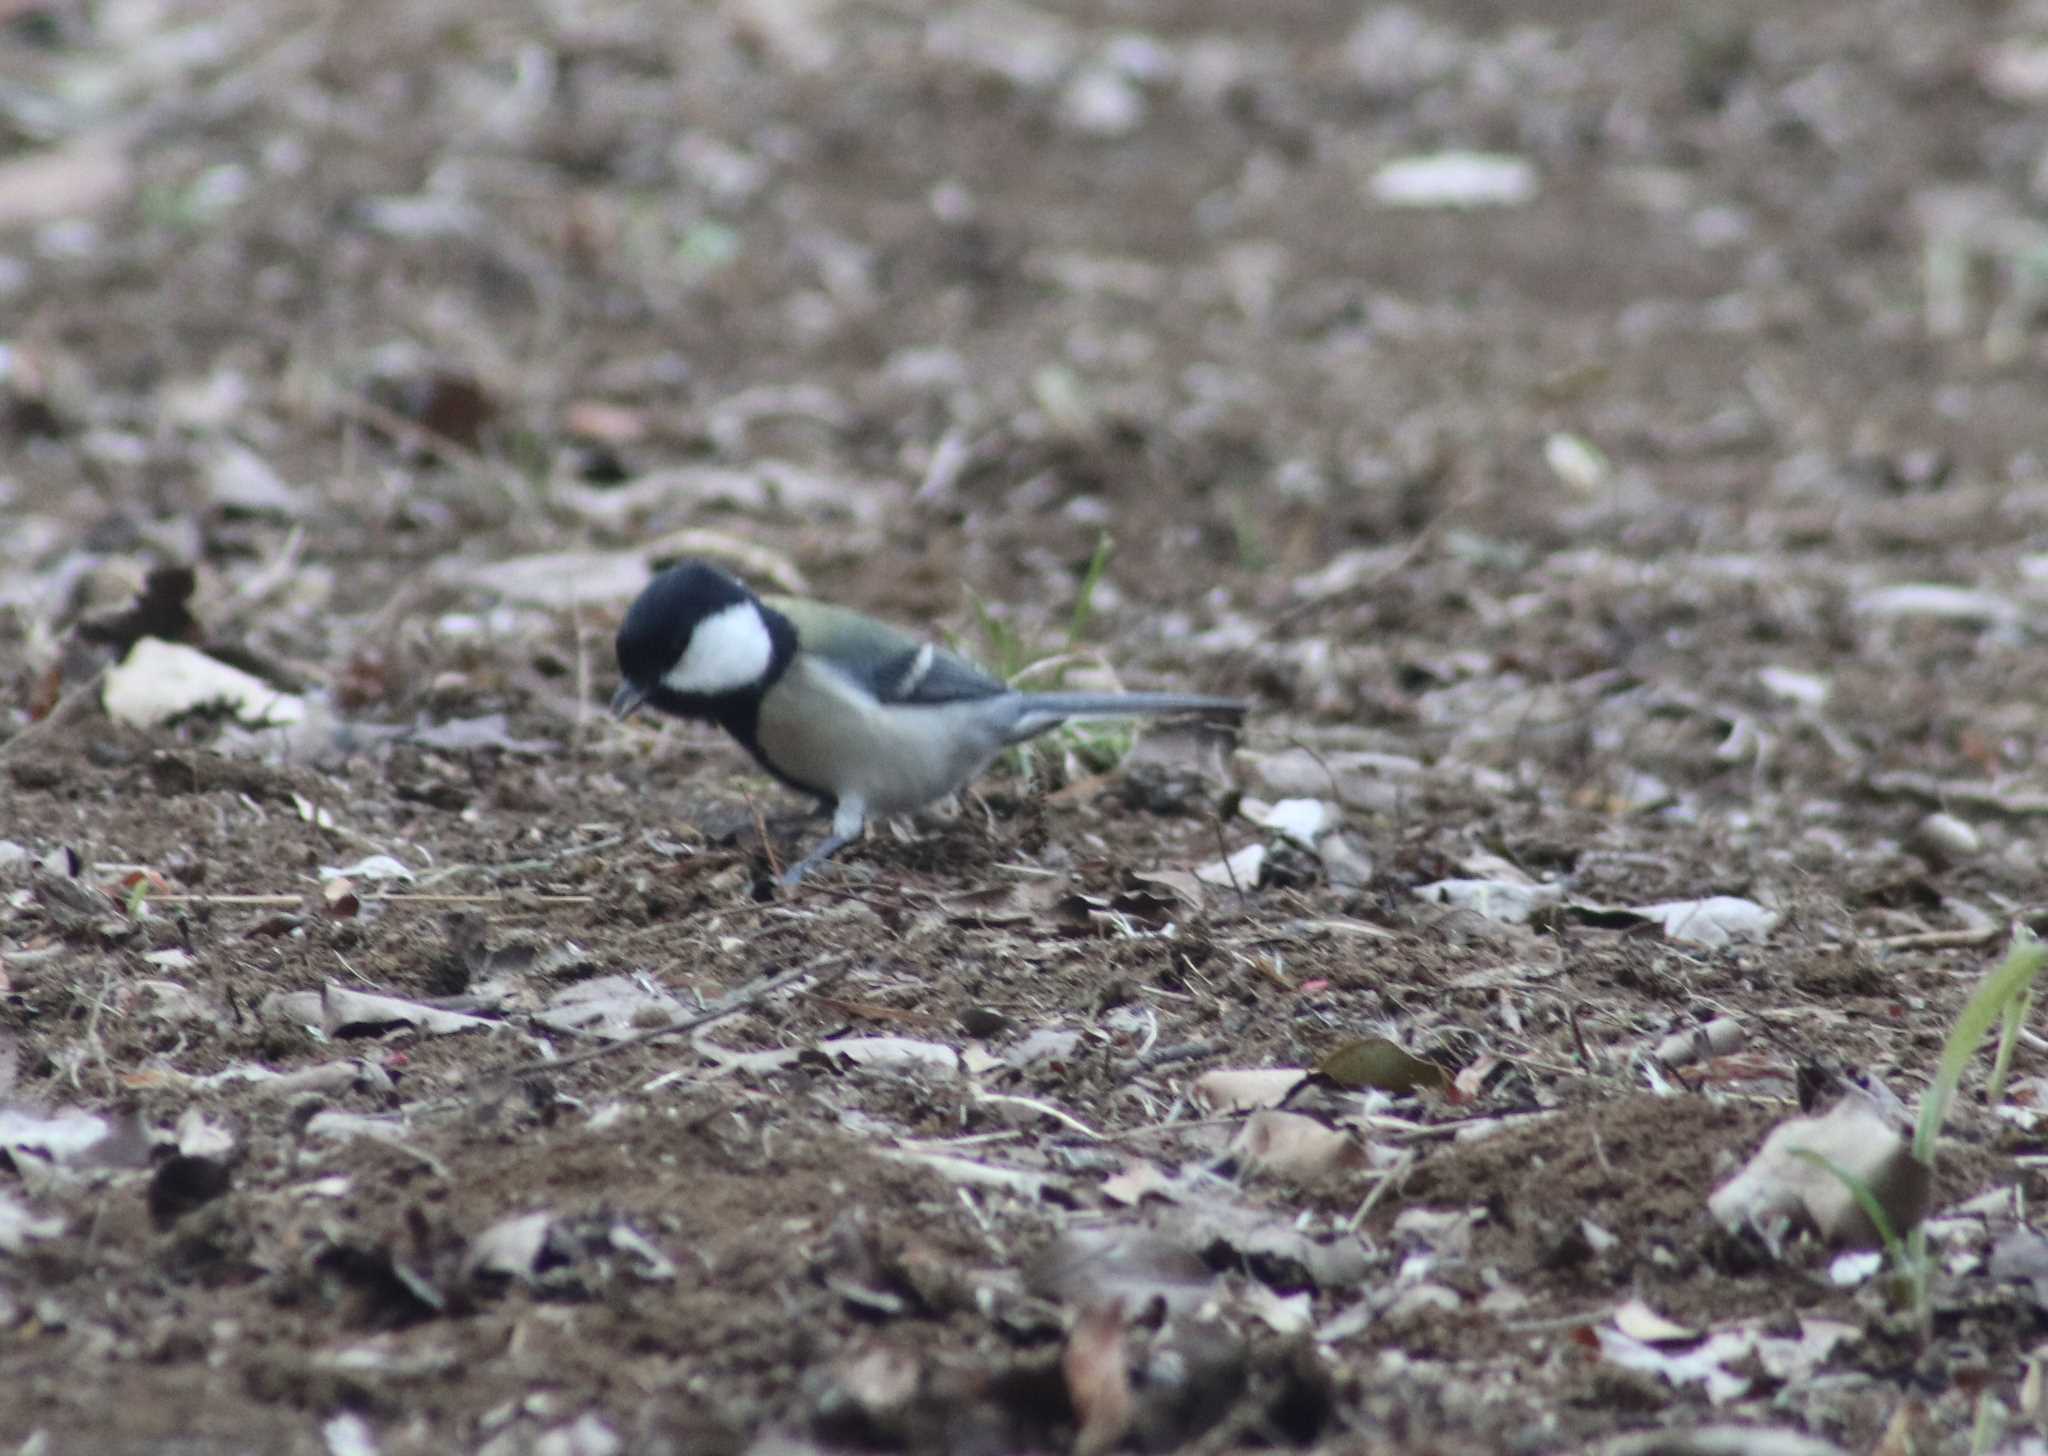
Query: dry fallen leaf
[
  {"x": 158, "y": 681},
  {"x": 1242, "y": 1090},
  {"x": 1297, "y": 1148},
  {"x": 1382, "y": 1065},
  {"x": 1855, "y": 1137}
]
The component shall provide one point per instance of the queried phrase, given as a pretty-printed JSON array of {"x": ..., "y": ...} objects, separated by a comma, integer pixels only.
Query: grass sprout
[
  {"x": 1096, "y": 746},
  {"x": 2002, "y": 999}
]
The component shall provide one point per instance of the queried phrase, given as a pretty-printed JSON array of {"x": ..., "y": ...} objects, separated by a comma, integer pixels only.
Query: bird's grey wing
[{"x": 894, "y": 666}]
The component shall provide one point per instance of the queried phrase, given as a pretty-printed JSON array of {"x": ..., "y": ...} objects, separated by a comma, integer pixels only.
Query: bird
[{"x": 865, "y": 718}]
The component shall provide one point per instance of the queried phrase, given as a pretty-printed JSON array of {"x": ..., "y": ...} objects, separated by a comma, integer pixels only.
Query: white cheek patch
[{"x": 729, "y": 650}]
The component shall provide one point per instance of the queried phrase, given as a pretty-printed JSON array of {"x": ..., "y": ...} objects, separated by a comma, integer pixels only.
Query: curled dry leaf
[
  {"x": 1345, "y": 863},
  {"x": 19, "y": 1225},
  {"x": 338, "y": 1010},
  {"x": 1238, "y": 872},
  {"x": 1728, "y": 1440},
  {"x": 1302, "y": 820},
  {"x": 510, "y": 1248},
  {"x": 1511, "y": 902},
  {"x": 1245, "y": 1089},
  {"x": 158, "y": 681},
  {"x": 1854, "y": 1137},
  {"x": 1138, "y": 1181},
  {"x": 1293, "y": 1147},
  {"x": 1715, "y": 921},
  {"x": 893, "y": 1053},
  {"x": 67, "y": 1138},
  {"x": 371, "y": 867},
  {"x": 1639, "y": 1322},
  {"x": 611, "y": 1006}
]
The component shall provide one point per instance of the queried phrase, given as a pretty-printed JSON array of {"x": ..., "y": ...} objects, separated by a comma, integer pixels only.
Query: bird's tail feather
[{"x": 1047, "y": 710}]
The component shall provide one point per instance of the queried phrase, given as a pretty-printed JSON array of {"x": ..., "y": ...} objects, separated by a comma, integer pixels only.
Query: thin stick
[
  {"x": 280, "y": 900},
  {"x": 1046, "y": 1109},
  {"x": 744, "y": 1000},
  {"x": 1939, "y": 939},
  {"x": 1186, "y": 1051}
]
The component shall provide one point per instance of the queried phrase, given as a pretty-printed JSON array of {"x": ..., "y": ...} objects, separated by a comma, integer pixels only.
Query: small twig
[
  {"x": 1158, "y": 1129},
  {"x": 225, "y": 900},
  {"x": 280, "y": 900},
  {"x": 520, "y": 866},
  {"x": 1186, "y": 1051},
  {"x": 738, "y": 1001},
  {"x": 767, "y": 844},
  {"x": 1386, "y": 1180},
  {"x": 1938, "y": 939},
  {"x": 1046, "y": 1109},
  {"x": 580, "y": 729},
  {"x": 1223, "y": 849},
  {"x": 1435, "y": 1130}
]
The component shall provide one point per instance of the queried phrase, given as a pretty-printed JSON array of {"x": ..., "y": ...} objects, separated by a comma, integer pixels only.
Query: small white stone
[{"x": 1945, "y": 838}]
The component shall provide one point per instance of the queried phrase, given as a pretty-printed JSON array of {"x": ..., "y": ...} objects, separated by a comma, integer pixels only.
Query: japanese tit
[{"x": 865, "y": 718}]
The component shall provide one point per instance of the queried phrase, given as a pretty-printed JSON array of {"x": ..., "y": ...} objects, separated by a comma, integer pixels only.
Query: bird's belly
[{"x": 892, "y": 759}]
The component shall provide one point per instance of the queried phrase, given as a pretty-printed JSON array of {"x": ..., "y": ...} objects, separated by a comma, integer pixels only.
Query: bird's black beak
[{"x": 626, "y": 701}]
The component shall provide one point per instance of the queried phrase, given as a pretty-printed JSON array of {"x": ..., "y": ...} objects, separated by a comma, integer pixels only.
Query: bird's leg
[{"x": 848, "y": 820}]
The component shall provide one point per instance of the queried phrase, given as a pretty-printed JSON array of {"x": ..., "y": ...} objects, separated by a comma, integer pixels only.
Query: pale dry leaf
[
  {"x": 371, "y": 867},
  {"x": 86, "y": 175},
  {"x": 1240, "y": 871},
  {"x": 1139, "y": 1180},
  {"x": 1855, "y": 1137},
  {"x": 1303, "y": 821},
  {"x": 1509, "y": 902},
  {"x": 1293, "y": 1147},
  {"x": 972, "y": 1173},
  {"x": 510, "y": 1248},
  {"x": 1639, "y": 1322},
  {"x": 1705, "y": 1363},
  {"x": 1346, "y": 865},
  {"x": 1730, "y": 1440},
  {"x": 612, "y": 1006},
  {"x": 158, "y": 681},
  {"x": 1716, "y": 921},
  {"x": 19, "y": 1226},
  {"x": 1290, "y": 1315},
  {"x": 893, "y": 1053},
  {"x": 66, "y": 1137},
  {"x": 1245, "y": 1089}
]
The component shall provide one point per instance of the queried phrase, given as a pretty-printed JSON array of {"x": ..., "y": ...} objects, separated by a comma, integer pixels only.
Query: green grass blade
[
  {"x": 1084, "y": 600},
  {"x": 2004, "y": 986},
  {"x": 1865, "y": 1200}
]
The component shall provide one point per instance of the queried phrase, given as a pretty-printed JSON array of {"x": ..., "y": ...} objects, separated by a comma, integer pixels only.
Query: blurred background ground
[{"x": 1654, "y": 507}]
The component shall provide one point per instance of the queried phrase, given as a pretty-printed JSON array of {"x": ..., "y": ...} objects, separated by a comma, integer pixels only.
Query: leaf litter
[{"x": 1645, "y": 744}]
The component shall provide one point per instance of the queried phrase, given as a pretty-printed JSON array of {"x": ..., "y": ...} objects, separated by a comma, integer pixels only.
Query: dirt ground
[{"x": 1669, "y": 521}]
